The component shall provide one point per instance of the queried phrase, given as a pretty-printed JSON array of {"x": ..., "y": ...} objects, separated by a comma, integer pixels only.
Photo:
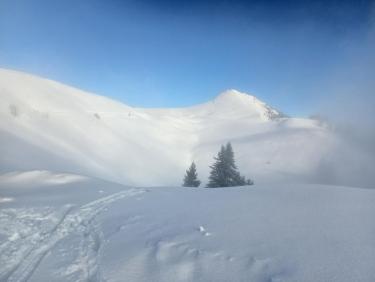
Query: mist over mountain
[{"x": 47, "y": 125}]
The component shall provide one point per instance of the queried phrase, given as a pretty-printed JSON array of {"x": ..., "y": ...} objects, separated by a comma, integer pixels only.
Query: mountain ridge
[
  {"x": 231, "y": 96},
  {"x": 47, "y": 125}
]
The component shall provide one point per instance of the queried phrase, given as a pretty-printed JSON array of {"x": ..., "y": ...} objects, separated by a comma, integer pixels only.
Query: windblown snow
[{"x": 67, "y": 212}]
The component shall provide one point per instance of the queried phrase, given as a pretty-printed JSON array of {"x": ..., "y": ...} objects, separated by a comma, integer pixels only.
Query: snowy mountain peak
[
  {"x": 243, "y": 103},
  {"x": 45, "y": 125},
  {"x": 233, "y": 93}
]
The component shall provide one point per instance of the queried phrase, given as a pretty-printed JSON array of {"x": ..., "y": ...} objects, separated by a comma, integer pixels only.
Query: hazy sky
[{"x": 179, "y": 53}]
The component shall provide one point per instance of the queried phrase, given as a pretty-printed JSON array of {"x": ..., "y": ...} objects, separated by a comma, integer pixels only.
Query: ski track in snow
[{"x": 33, "y": 233}]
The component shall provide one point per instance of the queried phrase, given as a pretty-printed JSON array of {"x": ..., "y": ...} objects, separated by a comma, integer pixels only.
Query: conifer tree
[
  {"x": 219, "y": 170},
  {"x": 191, "y": 177},
  {"x": 224, "y": 171}
]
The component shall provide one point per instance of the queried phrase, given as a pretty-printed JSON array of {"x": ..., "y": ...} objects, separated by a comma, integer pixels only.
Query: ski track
[{"x": 30, "y": 240}]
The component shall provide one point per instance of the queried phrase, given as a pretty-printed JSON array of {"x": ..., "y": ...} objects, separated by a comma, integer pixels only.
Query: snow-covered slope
[
  {"x": 79, "y": 223},
  {"x": 68, "y": 228},
  {"x": 47, "y": 125}
]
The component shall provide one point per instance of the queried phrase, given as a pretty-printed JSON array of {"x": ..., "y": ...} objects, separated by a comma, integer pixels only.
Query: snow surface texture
[
  {"x": 92, "y": 230},
  {"x": 68, "y": 227},
  {"x": 45, "y": 125}
]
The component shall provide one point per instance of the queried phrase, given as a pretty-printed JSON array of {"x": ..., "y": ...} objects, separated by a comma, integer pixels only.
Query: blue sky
[{"x": 179, "y": 53}]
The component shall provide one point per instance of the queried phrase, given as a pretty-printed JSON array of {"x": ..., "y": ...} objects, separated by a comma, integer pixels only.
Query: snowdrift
[{"x": 92, "y": 230}]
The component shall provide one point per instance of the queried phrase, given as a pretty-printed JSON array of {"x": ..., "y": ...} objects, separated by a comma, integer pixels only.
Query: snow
[
  {"x": 39, "y": 177},
  {"x": 4, "y": 200},
  {"x": 68, "y": 212},
  {"x": 48, "y": 125},
  {"x": 101, "y": 231}
]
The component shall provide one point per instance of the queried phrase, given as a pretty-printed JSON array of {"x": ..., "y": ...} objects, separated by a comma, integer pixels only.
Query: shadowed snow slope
[
  {"x": 47, "y": 125},
  {"x": 94, "y": 230}
]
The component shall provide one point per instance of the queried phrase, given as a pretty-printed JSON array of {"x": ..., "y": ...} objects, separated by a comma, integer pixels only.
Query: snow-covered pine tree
[
  {"x": 191, "y": 177},
  {"x": 224, "y": 171}
]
